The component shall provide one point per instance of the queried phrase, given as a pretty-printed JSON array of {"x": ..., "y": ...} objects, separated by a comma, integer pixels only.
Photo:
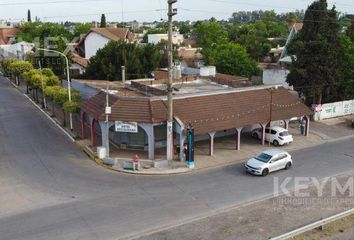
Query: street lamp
[{"x": 68, "y": 78}]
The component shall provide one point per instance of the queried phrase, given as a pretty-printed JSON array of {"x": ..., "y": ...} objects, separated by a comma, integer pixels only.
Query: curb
[
  {"x": 67, "y": 133},
  {"x": 99, "y": 162}
]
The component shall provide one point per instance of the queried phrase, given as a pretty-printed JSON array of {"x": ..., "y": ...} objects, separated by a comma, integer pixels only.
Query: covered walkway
[{"x": 211, "y": 114}]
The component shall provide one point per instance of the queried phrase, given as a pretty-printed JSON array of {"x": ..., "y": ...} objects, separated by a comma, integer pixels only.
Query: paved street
[{"x": 50, "y": 190}]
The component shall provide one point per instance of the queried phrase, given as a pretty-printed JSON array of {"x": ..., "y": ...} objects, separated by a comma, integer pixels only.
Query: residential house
[
  {"x": 7, "y": 35},
  {"x": 17, "y": 50},
  {"x": 97, "y": 38}
]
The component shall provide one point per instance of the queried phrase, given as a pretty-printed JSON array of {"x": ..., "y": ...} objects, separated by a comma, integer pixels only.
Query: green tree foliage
[
  {"x": 210, "y": 34},
  {"x": 5, "y": 65},
  {"x": 80, "y": 29},
  {"x": 29, "y": 19},
  {"x": 350, "y": 31},
  {"x": 71, "y": 107},
  {"x": 34, "y": 78},
  {"x": 138, "y": 60},
  {"x": 232, "y": 58},
  {"x": 255, "y": 36},
  {"x": 47, "y": 35},
  {"x": 346, "y": 89},
  {"x": 317, "y": 73},
  {"x": 229, "y": 58},
  {"x": 103, "y": 21},
  {"x": 18, "y": 67}
]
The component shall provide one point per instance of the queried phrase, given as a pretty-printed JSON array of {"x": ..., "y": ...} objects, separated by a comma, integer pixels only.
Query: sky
[{"x": 147, "y": 10}]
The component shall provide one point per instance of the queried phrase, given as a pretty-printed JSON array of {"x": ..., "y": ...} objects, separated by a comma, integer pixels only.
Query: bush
[{"x": 71, "y": 107}]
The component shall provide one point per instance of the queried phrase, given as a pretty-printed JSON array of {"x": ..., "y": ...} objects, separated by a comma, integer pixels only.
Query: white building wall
[
  {"x": 156, "y": 38},
  {"x": 93, "y": 43}
]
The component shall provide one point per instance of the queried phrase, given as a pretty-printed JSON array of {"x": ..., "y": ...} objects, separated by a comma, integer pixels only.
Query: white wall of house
[
  {"x": 275, "y": 77},
  {"x": 156, "y": 38},
  {"x": 77, "y": 67},
  {"x": 93, "y": 43},
  {"x": 17, "y": 50}
]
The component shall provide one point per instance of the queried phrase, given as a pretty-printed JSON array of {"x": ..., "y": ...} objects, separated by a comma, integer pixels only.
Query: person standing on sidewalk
[
  {"x": 302, "y": 127},
  {"x": 136, "y": 162}
]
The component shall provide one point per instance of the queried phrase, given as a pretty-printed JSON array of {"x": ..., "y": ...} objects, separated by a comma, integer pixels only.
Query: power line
[
  {"x": 98, "y": 14},
  {"x": 263, "y": 5},
  {"x": 50, "y": 2}
]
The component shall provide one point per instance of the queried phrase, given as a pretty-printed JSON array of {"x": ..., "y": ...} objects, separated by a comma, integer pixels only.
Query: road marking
[{"x": 51, "y": 119}]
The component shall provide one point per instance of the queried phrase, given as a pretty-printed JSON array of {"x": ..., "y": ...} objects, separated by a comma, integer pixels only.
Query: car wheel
[
  {"x": 288, "y": 165},
  {"x": 255, "y": 135},
  {"x": 265, "y": 172},
  {"x": 276, "y": 143}
]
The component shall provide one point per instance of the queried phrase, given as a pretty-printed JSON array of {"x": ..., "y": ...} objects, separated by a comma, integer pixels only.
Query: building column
[
  {"x": 211, "y": 143},
  {"x": 149, "y": 129},
  {"x": 83, "y": 125},
  {"x": 307, "y": 126},
  {"x": 105, "y": 134},
  {"x": 238, "y": 138},
  {"x": 92, "y": 127},
  {"x": 263, "y": 125},
  {"x": 286, "y": 124}
]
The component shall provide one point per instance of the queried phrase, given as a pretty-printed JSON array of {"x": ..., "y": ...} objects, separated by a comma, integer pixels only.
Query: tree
[
  {"x": 316, "y": 71},
  {"x": 103, "y": 21},
  {"x": 48, "y": 35},
  {"x": 81, "y": 28},
  {"x": 5, "y": 65},
  {"x": 138, "y": 60},
  {"x": 18, "y": 67},
  {"x": 350, "y": 31},
  {"x": 209, "y": 34},
  {"x": 29, "y": 19},
  {"x": 231, "y": 58}
]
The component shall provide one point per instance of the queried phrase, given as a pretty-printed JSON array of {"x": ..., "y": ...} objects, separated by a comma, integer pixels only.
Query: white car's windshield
[{"x": 263, "y": 157}]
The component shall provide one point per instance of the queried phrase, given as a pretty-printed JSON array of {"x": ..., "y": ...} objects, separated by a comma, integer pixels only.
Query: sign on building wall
[
  {"x": 128, "y": 127},
  {"x": 332, "y": 110}
]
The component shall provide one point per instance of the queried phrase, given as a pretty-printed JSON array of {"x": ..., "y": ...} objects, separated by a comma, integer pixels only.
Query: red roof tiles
[{"x": 206, "y": 113}]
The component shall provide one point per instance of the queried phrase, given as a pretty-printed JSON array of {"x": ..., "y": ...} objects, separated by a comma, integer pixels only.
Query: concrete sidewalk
[{"x": 224, "y": 149}]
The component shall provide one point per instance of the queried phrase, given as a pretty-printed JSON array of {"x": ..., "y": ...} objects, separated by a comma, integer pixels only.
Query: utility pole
[
  {"x": 169, "y": 144},
  {"x": 108, "y": 111}
]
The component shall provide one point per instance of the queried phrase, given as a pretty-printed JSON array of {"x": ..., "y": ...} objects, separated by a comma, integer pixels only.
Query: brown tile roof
[
  {"x": 206, "y": 113},
  {"x": 80, "y": 60},
  {"x": 140, "y": 110},
  {"x": 5, "y": 33},
  {"x": 111, "y": 33}
]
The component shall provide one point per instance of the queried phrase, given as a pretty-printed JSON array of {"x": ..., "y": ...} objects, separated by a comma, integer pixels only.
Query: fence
[
  {"x": 314, "y": 225},
  {"x": 332, "y": 110}
]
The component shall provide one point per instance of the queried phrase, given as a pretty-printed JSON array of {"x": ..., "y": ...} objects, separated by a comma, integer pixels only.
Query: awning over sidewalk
[{"x": 206, "y": 113}]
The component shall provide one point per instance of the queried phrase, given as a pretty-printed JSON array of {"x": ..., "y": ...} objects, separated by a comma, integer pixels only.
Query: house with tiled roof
[
  {"x": 97, "y": 38},
  {"x": 7, "y": 35},
  {"x": 215, "y": 107}
]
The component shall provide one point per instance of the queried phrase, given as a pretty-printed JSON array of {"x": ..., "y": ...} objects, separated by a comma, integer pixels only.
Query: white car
[
  {"x": 276, "y": 135},
  {"x": 269, "y": 161}
]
